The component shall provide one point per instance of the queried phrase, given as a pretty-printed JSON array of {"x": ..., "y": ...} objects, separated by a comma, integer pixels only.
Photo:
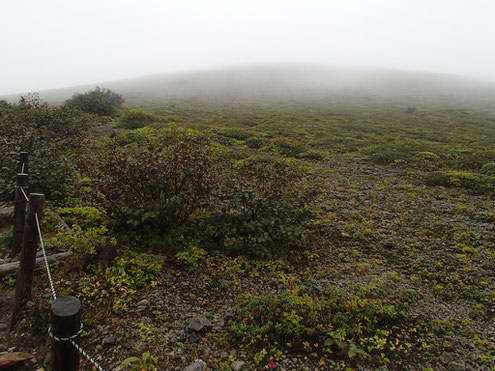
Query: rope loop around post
[{"x": 50, "y": 333}]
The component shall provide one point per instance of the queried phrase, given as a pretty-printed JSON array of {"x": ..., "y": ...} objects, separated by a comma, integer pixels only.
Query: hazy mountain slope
[{"x": 298, "y": 84}]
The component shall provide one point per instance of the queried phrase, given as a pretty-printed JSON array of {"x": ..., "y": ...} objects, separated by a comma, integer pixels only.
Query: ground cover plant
[{"x": 324, "y": 234}]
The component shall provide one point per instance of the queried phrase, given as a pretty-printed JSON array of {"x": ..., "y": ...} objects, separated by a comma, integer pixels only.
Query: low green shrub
[
  {"x": 84, "y": 216},
  {"x": 475, "y": 160},
  {"x": 477, "y": 182},
  {"x": 233, "y": 132},
  {"x": 256, "y": 142},
  {"x": 136, "y": 118},
  {"x": 261, "y": 208},
  {"x": 363, "y": 321},
  {"x": 488, "y": 169},
  {"x": 83, "y": 243},
  {"x": 288, "y": 146},
  {"x": 115, "y": 287},
  {"x": 312, "y": 154},
  {"x": 190, "y": 253}
]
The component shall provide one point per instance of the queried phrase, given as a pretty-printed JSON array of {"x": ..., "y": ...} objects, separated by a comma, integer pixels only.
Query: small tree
[
  {"x": 101, "y": 101},
  {"x": 155, "y": 182}
]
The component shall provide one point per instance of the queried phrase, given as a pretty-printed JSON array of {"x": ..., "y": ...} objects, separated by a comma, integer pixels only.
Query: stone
[
  {"x": 108, "y": 341},
  {"x": 194, "y": 337},
  {"x": 106, "y": 254},
  {"x": 198, "y": 365},
  {"x": 199, "y": 324},
  {"x": 456, "y": 366},
  {"x": 143, "y": 302},
  {"x": 228, "y": 316},
  {"x": 237, "y": 365}
]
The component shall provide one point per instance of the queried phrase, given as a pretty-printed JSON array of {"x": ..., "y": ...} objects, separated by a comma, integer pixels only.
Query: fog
[{"x": 55, "y": 43}]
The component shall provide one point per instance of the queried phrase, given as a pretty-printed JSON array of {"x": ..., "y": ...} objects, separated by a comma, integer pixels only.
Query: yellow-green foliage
[
  {"x": 359, "y": 321},
  {"x": 114, "y": 287},
  {"x": 85, "y": 216},
  {"x": 476, "y": 182},
  {"x": 136, "y": 118},
  {"x": 84, "y": 243}
]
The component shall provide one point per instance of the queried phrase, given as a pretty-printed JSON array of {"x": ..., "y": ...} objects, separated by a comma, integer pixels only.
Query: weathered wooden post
[
  {"x": 28, "y": 255},
  {"x": 24, "y": 163},
  {"x": 65, "y": 325},
  {"x": 19, "y": 214}
]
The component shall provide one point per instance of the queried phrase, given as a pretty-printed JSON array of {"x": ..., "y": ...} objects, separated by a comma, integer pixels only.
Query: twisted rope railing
[{"x": 52, "y": 287}]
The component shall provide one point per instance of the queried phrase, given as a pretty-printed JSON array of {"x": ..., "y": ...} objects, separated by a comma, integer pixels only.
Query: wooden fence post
[
  {"x": 65, "y": 324},
  {"x": 28, "y": 255},
  {"x": 24, "y": 163},
  {"x": 19, "y": 214}
]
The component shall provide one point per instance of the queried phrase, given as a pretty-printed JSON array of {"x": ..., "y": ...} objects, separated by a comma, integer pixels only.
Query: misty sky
[{"x": 58, "y": 43}]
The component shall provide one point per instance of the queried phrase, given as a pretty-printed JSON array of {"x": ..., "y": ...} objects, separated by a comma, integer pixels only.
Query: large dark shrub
[
  {"x": 51, "y": 135},
  {"x": 261, "y": 208},
  {"x": 101, "y": 101},
  {"x": 155, "y": 182}
]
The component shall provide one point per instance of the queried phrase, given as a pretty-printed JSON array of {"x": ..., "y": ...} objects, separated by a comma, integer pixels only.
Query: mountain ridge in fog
[{"x": 294, "y": 84}]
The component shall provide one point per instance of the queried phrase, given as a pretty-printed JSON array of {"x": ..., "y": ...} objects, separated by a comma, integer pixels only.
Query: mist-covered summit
[{"x": 304, "y": 85}]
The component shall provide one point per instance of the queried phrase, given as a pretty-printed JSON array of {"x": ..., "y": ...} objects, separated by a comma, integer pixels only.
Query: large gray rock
[
  {"x": 200, "y": 325},
  {"x": 109, "y": 341},
  {"x": 456, "y": 366},
  {"x": 198, "y": 365}
]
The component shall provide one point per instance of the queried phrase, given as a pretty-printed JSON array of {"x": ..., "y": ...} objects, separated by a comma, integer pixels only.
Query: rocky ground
[{"x": 378, "y": 224}]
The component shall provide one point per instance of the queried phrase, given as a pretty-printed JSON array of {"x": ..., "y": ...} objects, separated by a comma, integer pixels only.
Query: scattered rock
[
  {"x": 194, "y": 337},
  {"x": 198, "y": 365},
  {"x": 106, "y": 254},
  {"x": 228, "y": 316},
  {"x": 143, "y": 302},
  {"x": 109, "y": 341},
  {"x": 200, "y": 325},
  {"x": 456, "y": 366},
  {"x": 29, "y": 304},
  {"x": 237, "y": 365}
]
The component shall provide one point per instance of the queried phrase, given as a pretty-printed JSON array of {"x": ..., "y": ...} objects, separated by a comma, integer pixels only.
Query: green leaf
[{"x": 129, "y": 360}]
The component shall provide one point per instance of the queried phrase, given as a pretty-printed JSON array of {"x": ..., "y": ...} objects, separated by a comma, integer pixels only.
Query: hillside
[
  {"x": 286, "y": 219},
  {"x": 315, "y": 85}
]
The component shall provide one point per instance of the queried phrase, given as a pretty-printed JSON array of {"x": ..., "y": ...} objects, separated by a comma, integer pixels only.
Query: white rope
[
  {"x": 86, "y": 355},
  {"x": 44, "y": 256},
  {"x": 24, "y": 193},
  {"x": 22, "y": 170},
  {"x": 67, "y": 338},
  {"x": 70, "y": 338}
]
